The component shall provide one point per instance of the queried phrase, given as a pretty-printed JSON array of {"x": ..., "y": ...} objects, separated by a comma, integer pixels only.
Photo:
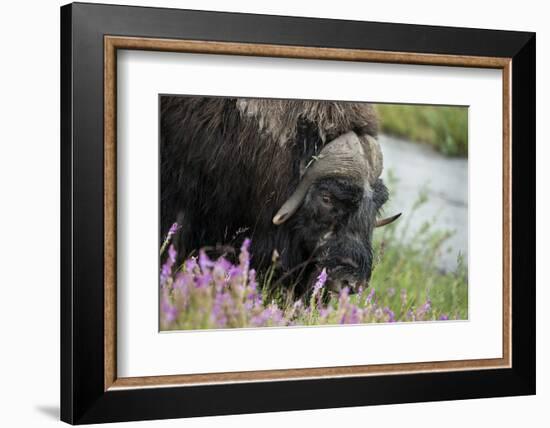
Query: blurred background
[{"x": 426, "y": 170}]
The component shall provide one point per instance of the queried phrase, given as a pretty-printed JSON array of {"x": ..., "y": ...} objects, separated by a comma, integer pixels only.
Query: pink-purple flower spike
[{"x": 205, "y": 293}]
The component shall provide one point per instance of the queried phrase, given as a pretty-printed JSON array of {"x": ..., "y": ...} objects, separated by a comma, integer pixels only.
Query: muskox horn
[
  {"x": 359, "y": 159},
  {"x": 387, "y": 220}
]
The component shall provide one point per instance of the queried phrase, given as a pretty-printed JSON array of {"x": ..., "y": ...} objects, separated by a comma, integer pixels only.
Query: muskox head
[
  {"x": 334, "y": 209},
  {"x": 301, "y": 178}
]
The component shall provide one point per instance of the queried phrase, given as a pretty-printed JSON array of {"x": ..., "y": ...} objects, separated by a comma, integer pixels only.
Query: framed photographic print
[{"x": 265, "y": 213}]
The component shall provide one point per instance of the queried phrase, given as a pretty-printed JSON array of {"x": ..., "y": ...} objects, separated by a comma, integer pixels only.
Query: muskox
[{"x": 300, "y": 178}]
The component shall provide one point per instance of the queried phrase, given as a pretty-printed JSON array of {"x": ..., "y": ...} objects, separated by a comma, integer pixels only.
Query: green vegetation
[
  {"x": 444, "y": 128},
  {"x": 406, "y": 272},
  {"x": 406, "y": 285}
]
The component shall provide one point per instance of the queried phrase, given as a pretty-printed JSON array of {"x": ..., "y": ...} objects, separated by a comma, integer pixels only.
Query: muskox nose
[
  {"x": 337, "y": 283},
  {"x": 348, "y": 262}
]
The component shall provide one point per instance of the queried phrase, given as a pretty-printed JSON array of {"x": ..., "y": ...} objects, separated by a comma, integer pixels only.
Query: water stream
[{"x": 417, "y": 168}]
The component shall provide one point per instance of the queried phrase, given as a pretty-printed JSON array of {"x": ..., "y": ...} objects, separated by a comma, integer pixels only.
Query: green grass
[
  {"x": 407, "y": 284},
  {"x": 444, "y": 128},
  {"x": 409, "y": 272}
]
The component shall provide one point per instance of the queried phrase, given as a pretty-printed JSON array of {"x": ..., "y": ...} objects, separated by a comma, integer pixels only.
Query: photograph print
[{"x": 288, "y": 212}]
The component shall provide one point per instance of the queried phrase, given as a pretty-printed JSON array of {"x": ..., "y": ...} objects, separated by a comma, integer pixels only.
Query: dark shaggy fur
[{"x": 227, "y": 166}]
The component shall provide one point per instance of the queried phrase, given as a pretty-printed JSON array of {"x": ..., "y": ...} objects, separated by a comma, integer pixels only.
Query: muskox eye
[{"x": 326, "y": 199}]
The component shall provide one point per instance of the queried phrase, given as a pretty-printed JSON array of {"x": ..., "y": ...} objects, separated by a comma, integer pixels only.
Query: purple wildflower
[
  {"x": 270, "y": 316},
  {"x": 244, "y": 257},
  {"x": 203, "y": 280},
  {"x": 218, "y": 313},
  {"x": 204, "y": 262},
  {"x": 317, "y": 288},
  {"x": 428, "y": 304},
  {"x": 390, "y": 314},
  {"x": 360, "y": 293},
  {"x": 220, "y": 272},
  {"x": 182, "y": 285},
  {"x": 166, "y": 269},
  {"x": 276, "y": 315},
  {"x": 168, "y": 311},
  {"x": 343, "y": 304},
  {"x": 235, "y": 274},
  {"x": 325, "y": 312},
  {"x": 354, "y": 315},
  {"x": 343, "y": 295},
  {"x": 191, "y": 265},
  {"x": 253, "y": 298},
  {"x": 370, "y": 296},
  {"x": 424, "y": 309},
  {"x": 443, "y": 317},
  {"x": 321, "y": 280},
  {"x": 172, "y": 254},
  {"x": 173, "y": 229},
  {"x": 261, "y": 319}
]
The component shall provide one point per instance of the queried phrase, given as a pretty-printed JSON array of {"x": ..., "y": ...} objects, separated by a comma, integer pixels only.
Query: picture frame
[{"x": 91, "y": 35}]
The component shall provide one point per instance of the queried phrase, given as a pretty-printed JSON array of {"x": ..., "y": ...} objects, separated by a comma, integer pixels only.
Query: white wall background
[{"x": 29, "y": 217}]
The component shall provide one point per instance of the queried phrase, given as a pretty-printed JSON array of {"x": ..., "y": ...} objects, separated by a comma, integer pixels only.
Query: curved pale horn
[
  {"x": 357, "y": 159},
  {"x": 387, "y": 220}
]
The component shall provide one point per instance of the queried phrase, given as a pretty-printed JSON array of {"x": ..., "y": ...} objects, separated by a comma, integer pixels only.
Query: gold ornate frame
[{"x": 114, "y": 43}]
